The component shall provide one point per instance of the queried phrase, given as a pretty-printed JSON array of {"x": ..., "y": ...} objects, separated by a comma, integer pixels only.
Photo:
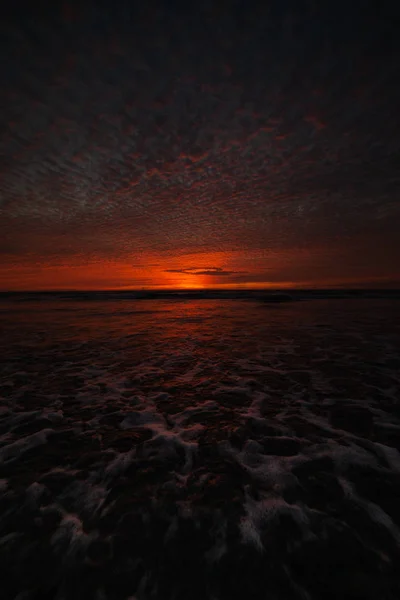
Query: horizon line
[{"x": 200, "y": 290}]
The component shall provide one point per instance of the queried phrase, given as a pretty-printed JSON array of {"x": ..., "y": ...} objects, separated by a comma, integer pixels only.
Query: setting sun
[{"x": 190, "y": 283}]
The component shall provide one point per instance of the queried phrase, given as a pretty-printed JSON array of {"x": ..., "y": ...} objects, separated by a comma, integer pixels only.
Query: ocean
[{"x": 194, "y": 448}]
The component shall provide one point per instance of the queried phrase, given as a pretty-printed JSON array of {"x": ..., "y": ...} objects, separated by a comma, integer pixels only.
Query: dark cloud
[
  {"x": 215, "y": 271},
  {"x": 131, "y": 133}
]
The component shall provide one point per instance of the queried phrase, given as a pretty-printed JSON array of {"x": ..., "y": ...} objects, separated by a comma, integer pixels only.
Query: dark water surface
[{"x": 200, "y": 449}]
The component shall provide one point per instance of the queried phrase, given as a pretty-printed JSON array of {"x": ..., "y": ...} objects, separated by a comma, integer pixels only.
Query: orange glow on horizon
[
  {"x": 114, "y": 276},
  {"x": 208, "y": 270}
]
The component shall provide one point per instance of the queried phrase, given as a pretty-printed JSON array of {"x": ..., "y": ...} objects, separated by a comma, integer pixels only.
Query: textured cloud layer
[{"x": 266, "y": 140}]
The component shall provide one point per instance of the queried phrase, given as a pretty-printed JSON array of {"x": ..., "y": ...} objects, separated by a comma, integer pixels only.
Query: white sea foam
[{"x": 180, "y": 412}]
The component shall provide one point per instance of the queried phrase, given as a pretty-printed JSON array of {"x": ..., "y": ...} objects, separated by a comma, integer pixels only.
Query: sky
[{"x": 200, "y": 145}]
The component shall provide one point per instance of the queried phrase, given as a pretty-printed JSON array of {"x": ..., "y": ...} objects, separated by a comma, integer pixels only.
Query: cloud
[
  {"x": 110, "y": 156},
  {"x": 213, "y": 271}
]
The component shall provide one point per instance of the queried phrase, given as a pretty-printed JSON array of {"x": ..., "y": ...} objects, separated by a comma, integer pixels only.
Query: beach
[{"x": 200, "y": 448}]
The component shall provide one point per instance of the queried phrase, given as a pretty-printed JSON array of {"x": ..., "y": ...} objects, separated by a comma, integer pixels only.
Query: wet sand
[{"x": 196, "y": 449}]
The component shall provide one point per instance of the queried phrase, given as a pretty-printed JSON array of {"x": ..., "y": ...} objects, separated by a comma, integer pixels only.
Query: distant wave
[{"x": 261, "y": 295}]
